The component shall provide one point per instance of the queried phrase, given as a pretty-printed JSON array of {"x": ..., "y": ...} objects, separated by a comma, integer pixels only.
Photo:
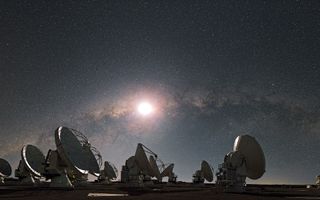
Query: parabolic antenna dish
[
  {"x": 75, "y": 154},
  {"x": 95, "y": 158},
  {"x": 143, "y": 161},
  {"x": 167, "y": 171},
  {"x": 131, "y": 162},
  {"x": 207, "y": 171},
  {"x": 111, "y": 170},
  {"x": 155, "y": 167},
  {"x": 33, "y": 159},
  {"x": 5, "y": 168},
  {"x": 253, "y": 155}
]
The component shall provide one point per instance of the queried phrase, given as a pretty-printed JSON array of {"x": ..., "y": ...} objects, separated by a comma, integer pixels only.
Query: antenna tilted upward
[
  {"x": 31, "y": 166},
  {"x": 246, "y": 160},
  {"x": 139, "y": 168},
  {"x": 5, "y": 170},
  {"x": 73, "y": 160},
  {"x": 205, "y": 173}
]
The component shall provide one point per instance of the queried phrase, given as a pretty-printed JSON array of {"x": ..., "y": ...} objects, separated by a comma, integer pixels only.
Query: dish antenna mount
[
  {"x": 168, "y": 172},
  {"x": 31, "y": 165},
  {"x": 246, "y": 160},
  {"x": 205, "y": 173},
  {"x": 139, "y": 168},
  {"x": 73, "y": 159},
  {"x": 109, "y": 173}
]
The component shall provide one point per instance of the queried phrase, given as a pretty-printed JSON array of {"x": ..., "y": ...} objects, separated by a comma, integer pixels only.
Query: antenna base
[
  {"x": 229, "y": 179},
  {"x": 197, "y": 177}
]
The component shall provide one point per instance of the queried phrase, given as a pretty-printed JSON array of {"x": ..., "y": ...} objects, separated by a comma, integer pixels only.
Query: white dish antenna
[
  {"x": 155, "y": 167},
  {"x": 246, "y": 160},
  {"x": 168, "y": 171},
  {"x": 109, "y": 173},
  {"x": 207, "y": 171},
  {"x": 76, "y": 151},
  {"x": 143, "y": 161},
  {"x": 131, "y": 162},
  {"x": 31, "y": 165},
  {"x": 5, "y": 168},
  {"x": 252, "y": 154},
  {"x": 110, "y": 170},
  {"x": 33, "y": 159},
  {"x": 139, "y": 168}
]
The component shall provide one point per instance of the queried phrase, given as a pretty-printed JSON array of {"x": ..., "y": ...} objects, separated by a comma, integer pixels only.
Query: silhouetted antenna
[
  {"x": 73, "y": 160},
  {"x": 205, "y": 173},
  {"x": 5, "y": 170},
  {"x": 139, "y": 168},
  {"x": 246, "y": 160},
  {"x": 31, "y": 166}
]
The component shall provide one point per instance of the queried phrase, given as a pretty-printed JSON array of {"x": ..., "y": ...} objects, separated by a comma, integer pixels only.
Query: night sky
[{"x": 212, "y": 70}]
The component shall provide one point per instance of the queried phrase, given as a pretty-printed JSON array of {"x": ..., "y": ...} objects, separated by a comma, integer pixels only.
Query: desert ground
[{"x": 179, "y": 192}]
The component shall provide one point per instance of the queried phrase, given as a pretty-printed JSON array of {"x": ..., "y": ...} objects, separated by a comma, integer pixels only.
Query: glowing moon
[{"x": 145, "y": 108}]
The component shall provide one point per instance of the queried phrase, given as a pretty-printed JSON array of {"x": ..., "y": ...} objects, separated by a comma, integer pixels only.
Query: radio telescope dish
[
  {"x": 130, "y": 162},
  {"x": 5, "y": 168},
  {"x": 155, "y": 167},
  {"x": 253, "y": 155},
  {"x": 111, "y": 170},
  {"x": 33, "y": 159},
  {"x": 31, "y": 165},
  {"x": 75, "y": 152},
  {"x": 168, "y": 170},
  {"x": 246, "y": 160},
  {"x": 207, "y": 171},
  {"x": 143, "y": 161},
  {"x": 139, "y": 168}
]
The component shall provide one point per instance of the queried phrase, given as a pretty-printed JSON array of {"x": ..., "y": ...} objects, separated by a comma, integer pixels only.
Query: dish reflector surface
[
  {"x": 155, "y": 167},
  {"x": 253, "y": 155},
  {"x": 33, "y": 159},
  {"x": 167, "y": 171},
  {"x": 111, "y": 170},
  {"x": 131, "y": 162},
  {"x": 5, "y": 168},
  {"x": 74, "y": 153},
  {"x": 142, "y": 160},
  {"x": 207, "y": 171}
]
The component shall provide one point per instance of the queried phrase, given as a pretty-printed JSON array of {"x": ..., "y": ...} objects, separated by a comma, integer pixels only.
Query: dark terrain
[{"x": 178, "y": 191}]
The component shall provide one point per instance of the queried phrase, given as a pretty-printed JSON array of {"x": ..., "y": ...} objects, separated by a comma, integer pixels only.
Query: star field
[{"x": 215, "y": 69}]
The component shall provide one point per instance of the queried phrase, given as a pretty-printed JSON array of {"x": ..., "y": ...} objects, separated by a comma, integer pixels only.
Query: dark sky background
[{"x": 212, "y": 70}]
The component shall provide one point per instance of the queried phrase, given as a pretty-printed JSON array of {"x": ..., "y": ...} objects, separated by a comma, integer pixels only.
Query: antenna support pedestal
[{"x": 228, "y": 178}]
